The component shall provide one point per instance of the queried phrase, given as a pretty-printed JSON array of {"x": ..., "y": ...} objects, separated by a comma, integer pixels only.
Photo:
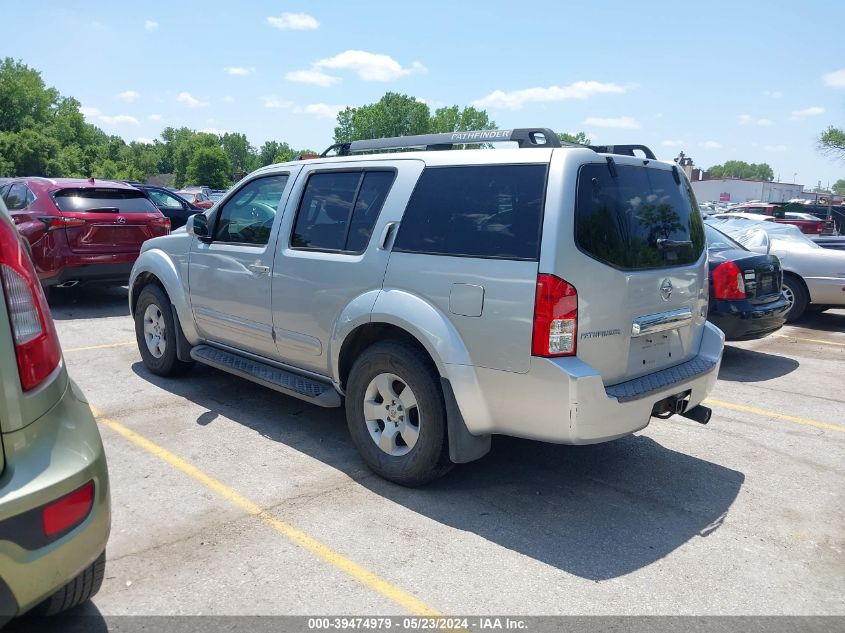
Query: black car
[
  {"x": 746, "y": 301},
  {"x": 170, "y": 204}
]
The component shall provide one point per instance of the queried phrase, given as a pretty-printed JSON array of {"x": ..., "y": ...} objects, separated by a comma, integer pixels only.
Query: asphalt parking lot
[{"x": 229, "y": 498}]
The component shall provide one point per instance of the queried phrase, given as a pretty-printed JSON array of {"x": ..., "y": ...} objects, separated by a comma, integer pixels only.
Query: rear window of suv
[
  {"x": 489, "y": 211},
  {"x": 637, "y": 219},
  {"x": 93, "y": 200}
]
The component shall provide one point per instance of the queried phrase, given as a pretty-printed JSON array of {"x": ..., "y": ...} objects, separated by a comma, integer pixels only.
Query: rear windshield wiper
[
  {"x": 100, "y": 210},
  {"x": 665, "y": 244}
]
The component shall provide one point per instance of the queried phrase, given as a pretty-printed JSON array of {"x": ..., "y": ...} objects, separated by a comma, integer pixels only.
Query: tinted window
[
  {"x": 339, "y": 209},
  {"x": 102, "y": 200},
  {"x": 16, "y": 197},
  {"x": 641, "y": 218},
  {"x": 164, "y": 199},
  {"x": 479, "y": 211},
  {"x": 247, "y": 218},
  {"x": 718, "y": 241}
]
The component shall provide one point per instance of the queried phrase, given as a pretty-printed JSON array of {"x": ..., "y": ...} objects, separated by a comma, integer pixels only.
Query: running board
[{"x": 289, "y": 383}]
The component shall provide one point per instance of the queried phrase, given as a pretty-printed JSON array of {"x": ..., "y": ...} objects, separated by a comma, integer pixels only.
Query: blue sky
[{"x": 754, "y": 81}]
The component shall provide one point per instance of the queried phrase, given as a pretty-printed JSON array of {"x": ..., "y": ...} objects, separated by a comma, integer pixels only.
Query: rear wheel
[
  {"x": 797, "y": 296},
  {"x": 396, "y": 415},
  {"x": 156, "y": 333},
  {"x": 77, "y": 591}
]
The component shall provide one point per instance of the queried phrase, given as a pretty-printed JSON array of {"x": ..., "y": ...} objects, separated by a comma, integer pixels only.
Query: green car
[{"x": 55, "y": 511}]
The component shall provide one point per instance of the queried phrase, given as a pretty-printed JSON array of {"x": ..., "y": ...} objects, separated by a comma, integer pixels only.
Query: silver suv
[{"x": 551, "y": 292}]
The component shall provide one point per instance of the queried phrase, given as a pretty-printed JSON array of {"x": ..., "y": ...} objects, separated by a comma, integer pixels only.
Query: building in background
[{"x": 737, "y": 190}]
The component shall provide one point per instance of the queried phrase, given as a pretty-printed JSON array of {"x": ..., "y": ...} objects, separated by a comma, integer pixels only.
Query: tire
[
  {"x": 794, "y": 287},
  {"x": 163, "y": 361},
  {"x": 82, "y": 588},
  {"x": 424, "y": 424}
]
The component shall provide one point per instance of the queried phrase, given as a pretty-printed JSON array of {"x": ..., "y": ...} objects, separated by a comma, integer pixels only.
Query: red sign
[{"x": 724, "y": 197}]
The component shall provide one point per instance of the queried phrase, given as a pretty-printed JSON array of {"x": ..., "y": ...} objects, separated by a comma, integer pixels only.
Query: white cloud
[
  {"x": 747, "y": 119},
  {"x": 294, "y": 22},
  {"x": 185, "y": 98},
  {"x": 621, "y": 122},
  {"x": 797, "y": 115},
  {"x": 214, "y": 130},
  {"x": 514, "y": 100},
  {"x": 275, "y": 102},
  {"x": 229, "y": 99},
  {"x": 711, "y": 145},
  {"x": 835, "y": 79},
  {"x": 129, "y": 96},
  {"x": 671, "y": 143},
  {"x": 94, "y": 115},
  {"x": 772, "y": 94},
  {"x": 155, "y": 117},
  {"x": 241, "y": 71},
  {"x": 369, "y": 66},
  {"x": 774, "y": 148},
  {"x": 150, "y": 25},
  {"x": 314, "y": 77},
  {"x": 322, "y": 110}
]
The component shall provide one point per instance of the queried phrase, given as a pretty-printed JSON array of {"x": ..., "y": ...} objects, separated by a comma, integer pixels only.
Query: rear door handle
[
  {"x": 387, "y": 235},
  {"x": 258, "y": 268}
]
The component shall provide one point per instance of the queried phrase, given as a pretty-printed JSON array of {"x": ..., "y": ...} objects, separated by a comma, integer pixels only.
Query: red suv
[{"x": 82, "y": 230}]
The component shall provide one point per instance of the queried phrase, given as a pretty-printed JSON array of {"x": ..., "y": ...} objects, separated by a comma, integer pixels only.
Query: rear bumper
[
  {"x": 117, "y": 273},
  {"x": 45, "y": 460},
  {"x": 565, "y": 401},
  {"x": 743, "y": 320}
]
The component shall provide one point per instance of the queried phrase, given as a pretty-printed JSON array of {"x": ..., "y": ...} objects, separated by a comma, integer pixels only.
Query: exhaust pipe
[
  {"x": 67, "y": 284},
  {"x": 700, "y": 414}
]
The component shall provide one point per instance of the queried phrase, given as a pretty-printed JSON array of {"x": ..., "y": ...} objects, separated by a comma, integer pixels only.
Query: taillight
[
  {"x": 53, "y": 222},
  {"x": 728, "y": 282},
  {"x": 162, "y": 222},
  {"x": 36, "y": 343},
  {"x": 69, "y": 511},
  {"x": 555, "y": 318}
]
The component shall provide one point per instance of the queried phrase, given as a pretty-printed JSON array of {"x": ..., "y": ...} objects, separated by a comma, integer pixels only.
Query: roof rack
[{"x": 523, "y": 137}]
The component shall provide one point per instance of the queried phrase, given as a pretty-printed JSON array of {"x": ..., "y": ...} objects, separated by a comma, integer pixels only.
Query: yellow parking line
[
  {"x": 356, "y": 571},
  {"x": 810, "y": 340},
  {"x": 773, "y": 414},
  {"x": 104, "y": 346}
]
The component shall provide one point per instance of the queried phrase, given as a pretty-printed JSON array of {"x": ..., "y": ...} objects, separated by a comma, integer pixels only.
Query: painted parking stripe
[
  {"x": 827, "y": 426},
  {"x": 367, "y": 578},
  {"x": 810, "y": 340},
  {"x": 104, "y": 346}
]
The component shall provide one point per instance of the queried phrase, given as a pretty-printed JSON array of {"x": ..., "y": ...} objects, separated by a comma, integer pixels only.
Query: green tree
[
  {"x": 268, "y": 152},
  {"x": 210, "y": 166},
  {"x": 579, "y": 138},
  {"x": 392, "y": 115},
  {"x": 839, "y": 187},
  {"x": 457, "y": 119},
  {"x": 31, "y": 153},
  {"x": 741, "y": 169},
  {"x": 25, "y": 102},
  {"x": 241, "y": 154},
  {"x": 832, "y": 142}
]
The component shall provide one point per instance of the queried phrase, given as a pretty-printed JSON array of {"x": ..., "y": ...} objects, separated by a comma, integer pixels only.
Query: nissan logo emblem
[
  {"x": 121, "y": 219},
  {"x": 666, "y": 289}
]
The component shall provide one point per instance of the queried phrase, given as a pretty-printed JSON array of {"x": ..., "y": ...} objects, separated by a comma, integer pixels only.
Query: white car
[
  {"x": 751, "y": 217},
  {"x": 814, "y": 277}
]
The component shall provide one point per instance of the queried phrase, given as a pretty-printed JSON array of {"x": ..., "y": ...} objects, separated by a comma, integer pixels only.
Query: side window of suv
[
  {"x": 339, "y": 210},
  {"x": 247, "y": 218},
  {"x": 490, "y": 211},
  {"x": 16, "y": 198}
]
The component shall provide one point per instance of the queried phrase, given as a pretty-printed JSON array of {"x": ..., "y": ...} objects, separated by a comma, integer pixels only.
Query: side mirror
[{"x": 197, "y": 226}]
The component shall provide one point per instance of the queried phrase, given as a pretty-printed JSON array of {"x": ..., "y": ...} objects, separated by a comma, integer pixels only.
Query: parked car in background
[
  {"x": 54, "y": 485},
  {"x": 413, "y": 290},
  {"x": 172, "y": 205},
  {"x": 206, "y": 191},
  {"x": 746, "y": 300},
  {"x": 217, "y": 195},
  {"x": 836, "y": 242},
  {"x": 749, "y": 217},
  {"x": 813, "y": 277},
  {"x": 808, "y": 223},
  {"x": 82, "y": 231},
  {"x": 196, "y": 198}
]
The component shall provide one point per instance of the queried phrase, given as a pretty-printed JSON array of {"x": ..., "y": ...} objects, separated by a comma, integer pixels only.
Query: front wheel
[
  {"x": 155, "y": 332},
  {"x": 396, "y": 415}
]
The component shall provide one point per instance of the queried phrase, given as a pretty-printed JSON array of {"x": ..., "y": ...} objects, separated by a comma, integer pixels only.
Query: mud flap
[
  {"x": 463, "y": 446},
  {"x": 183, "y": 347}
]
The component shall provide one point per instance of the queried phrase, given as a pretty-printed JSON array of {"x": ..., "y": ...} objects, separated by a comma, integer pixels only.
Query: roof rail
[
  {"x": 626, "y": 150},
  {"x": 524, "y": 137}
]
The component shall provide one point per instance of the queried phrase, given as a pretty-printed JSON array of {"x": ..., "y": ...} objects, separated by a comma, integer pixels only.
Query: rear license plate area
[{"x": 766, "y": 284}]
